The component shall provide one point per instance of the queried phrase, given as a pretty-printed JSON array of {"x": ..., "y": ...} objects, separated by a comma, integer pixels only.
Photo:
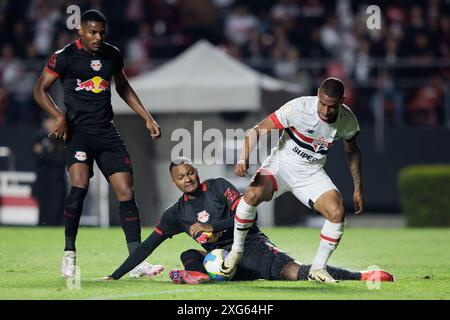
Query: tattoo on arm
[{"x": 353, "y": 155}]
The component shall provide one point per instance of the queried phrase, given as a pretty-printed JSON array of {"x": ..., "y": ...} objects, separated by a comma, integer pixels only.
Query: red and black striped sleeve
[
  {"x": 231, "y": 197},
  {"x": 169, "y": 225},
  {"x": 57, "y": 63}
]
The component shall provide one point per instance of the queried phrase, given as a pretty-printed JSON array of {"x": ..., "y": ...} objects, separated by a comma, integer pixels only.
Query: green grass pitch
[{"x": 418, "y": 258}]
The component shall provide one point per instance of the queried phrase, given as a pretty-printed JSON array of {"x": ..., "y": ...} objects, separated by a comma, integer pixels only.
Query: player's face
[
  {"x": 186, "y": 178},
  {"x": 92, "y": 35},
  {"x": 328, "y": 107}
]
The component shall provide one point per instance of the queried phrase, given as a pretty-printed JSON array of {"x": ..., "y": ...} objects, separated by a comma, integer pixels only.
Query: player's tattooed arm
[
  {"x": 353, "y": 155},
  {"x": 127, "y": 93},
  {"x": 43, "y": 99}
]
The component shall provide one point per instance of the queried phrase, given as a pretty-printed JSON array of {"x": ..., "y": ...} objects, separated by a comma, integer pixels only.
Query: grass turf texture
[{"x": 418, "y": 258}]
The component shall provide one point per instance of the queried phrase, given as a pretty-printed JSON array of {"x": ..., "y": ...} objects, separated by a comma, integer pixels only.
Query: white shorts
[{"x": 305, "y": 183}]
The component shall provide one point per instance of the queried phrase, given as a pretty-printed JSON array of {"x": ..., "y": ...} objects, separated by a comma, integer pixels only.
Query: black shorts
[
  {"x": 261, "y": 260},
  {"x": 107, "y": 149}
]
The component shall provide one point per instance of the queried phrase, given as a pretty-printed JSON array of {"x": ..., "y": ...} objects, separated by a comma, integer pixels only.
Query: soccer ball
[{"x": 212, "y": 263}]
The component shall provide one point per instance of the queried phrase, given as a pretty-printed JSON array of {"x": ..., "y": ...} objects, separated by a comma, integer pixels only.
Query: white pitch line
[{"x": 152, "y": 293}]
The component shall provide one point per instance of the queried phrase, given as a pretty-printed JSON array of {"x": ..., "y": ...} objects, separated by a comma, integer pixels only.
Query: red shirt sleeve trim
[
  {"x": 275, "y": 120},
  {"x": 47, "y": 69}
]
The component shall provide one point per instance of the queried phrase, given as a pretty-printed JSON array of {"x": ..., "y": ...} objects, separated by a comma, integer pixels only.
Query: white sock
[
  {"x": 243, "y": 221},
  {"x": 329, "y": 239}
]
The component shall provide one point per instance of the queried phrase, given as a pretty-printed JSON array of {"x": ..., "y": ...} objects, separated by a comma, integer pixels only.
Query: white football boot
[
  {"x": 68, "y": 264},
  {"x": 146, "y": 269},
  {"x": 321, "y": 275}
]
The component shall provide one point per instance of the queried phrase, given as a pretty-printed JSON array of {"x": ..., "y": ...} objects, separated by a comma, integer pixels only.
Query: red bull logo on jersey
[
  {"x": 203, "y": 216},
  {"x": 96, "y": 85},
  {"x": 96, "y": 65}
]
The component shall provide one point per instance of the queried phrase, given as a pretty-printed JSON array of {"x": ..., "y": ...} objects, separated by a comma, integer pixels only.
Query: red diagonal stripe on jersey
[
  {"x": 275, "y": 120},
  {"x": 301, "y": 136},
  {"x": 329, "y": 239}
]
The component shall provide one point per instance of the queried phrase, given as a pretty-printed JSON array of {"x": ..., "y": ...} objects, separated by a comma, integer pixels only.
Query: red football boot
[
  {"x": 188, "y": 277},
  {"x": 376, "y": 275}
]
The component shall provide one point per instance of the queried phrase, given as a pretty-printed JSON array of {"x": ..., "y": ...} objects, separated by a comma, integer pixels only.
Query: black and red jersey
[
  {"x": 86, "y": 80},
  {"x": 215, "y": 205}
]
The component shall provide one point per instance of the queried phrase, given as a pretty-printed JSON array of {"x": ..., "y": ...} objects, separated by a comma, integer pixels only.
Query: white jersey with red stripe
[{"x": 307, "y": 138}]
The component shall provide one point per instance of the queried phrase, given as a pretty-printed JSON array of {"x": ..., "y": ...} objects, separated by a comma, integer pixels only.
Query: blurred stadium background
[{"x": 397, "y": 84}]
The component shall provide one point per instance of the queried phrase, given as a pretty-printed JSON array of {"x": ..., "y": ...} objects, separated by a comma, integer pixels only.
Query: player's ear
[{"x": 80, "y": 30}]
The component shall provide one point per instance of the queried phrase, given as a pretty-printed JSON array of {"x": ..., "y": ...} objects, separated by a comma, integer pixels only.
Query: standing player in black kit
[{"x": 85, "y": 68}]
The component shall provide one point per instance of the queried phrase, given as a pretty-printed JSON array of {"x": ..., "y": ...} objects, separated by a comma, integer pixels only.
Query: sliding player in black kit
[
  {"x": 206, "y": 211},
  {"x": 85, "y": 69}
]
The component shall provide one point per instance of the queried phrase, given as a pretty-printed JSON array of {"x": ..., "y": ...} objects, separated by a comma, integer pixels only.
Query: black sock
[
  {"x": 132, "y": 246},
  {"x": 72, "y": 215},
  {"x": 336, "y": 273},
  {"x": 193, "y": 260},
  {"x": 131, "y": 225}
]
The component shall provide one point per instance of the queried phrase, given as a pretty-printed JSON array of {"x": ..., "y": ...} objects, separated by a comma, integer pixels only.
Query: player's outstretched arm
[
  {"x": 263, "y": 128},
  {"x": 127, "y": 93},
  {"x": 353, "y": 155},
  {"x": 43, "y": 99},
  {"x": 139, "y": 254}
]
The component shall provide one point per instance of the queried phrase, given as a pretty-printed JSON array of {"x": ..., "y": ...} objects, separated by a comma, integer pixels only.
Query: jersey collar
[
  {"x": 203, "y": 186},
  {"x": 80, "y": 47},
  {"x": 78, "y": 44}
]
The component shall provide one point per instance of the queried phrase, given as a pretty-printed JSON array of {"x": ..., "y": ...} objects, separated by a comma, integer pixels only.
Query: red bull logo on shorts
[{"x": 96, "y": 85}]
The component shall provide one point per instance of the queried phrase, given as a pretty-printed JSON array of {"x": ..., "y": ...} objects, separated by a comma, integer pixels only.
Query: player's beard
[{"x": 196, "y": 192}]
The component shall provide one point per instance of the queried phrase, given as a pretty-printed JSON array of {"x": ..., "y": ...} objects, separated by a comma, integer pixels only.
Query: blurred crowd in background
[{"x": 405, "y": 64}]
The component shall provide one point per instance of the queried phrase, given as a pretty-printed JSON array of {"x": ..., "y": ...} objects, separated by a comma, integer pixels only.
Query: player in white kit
[{"x": 311, "y": 126}]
